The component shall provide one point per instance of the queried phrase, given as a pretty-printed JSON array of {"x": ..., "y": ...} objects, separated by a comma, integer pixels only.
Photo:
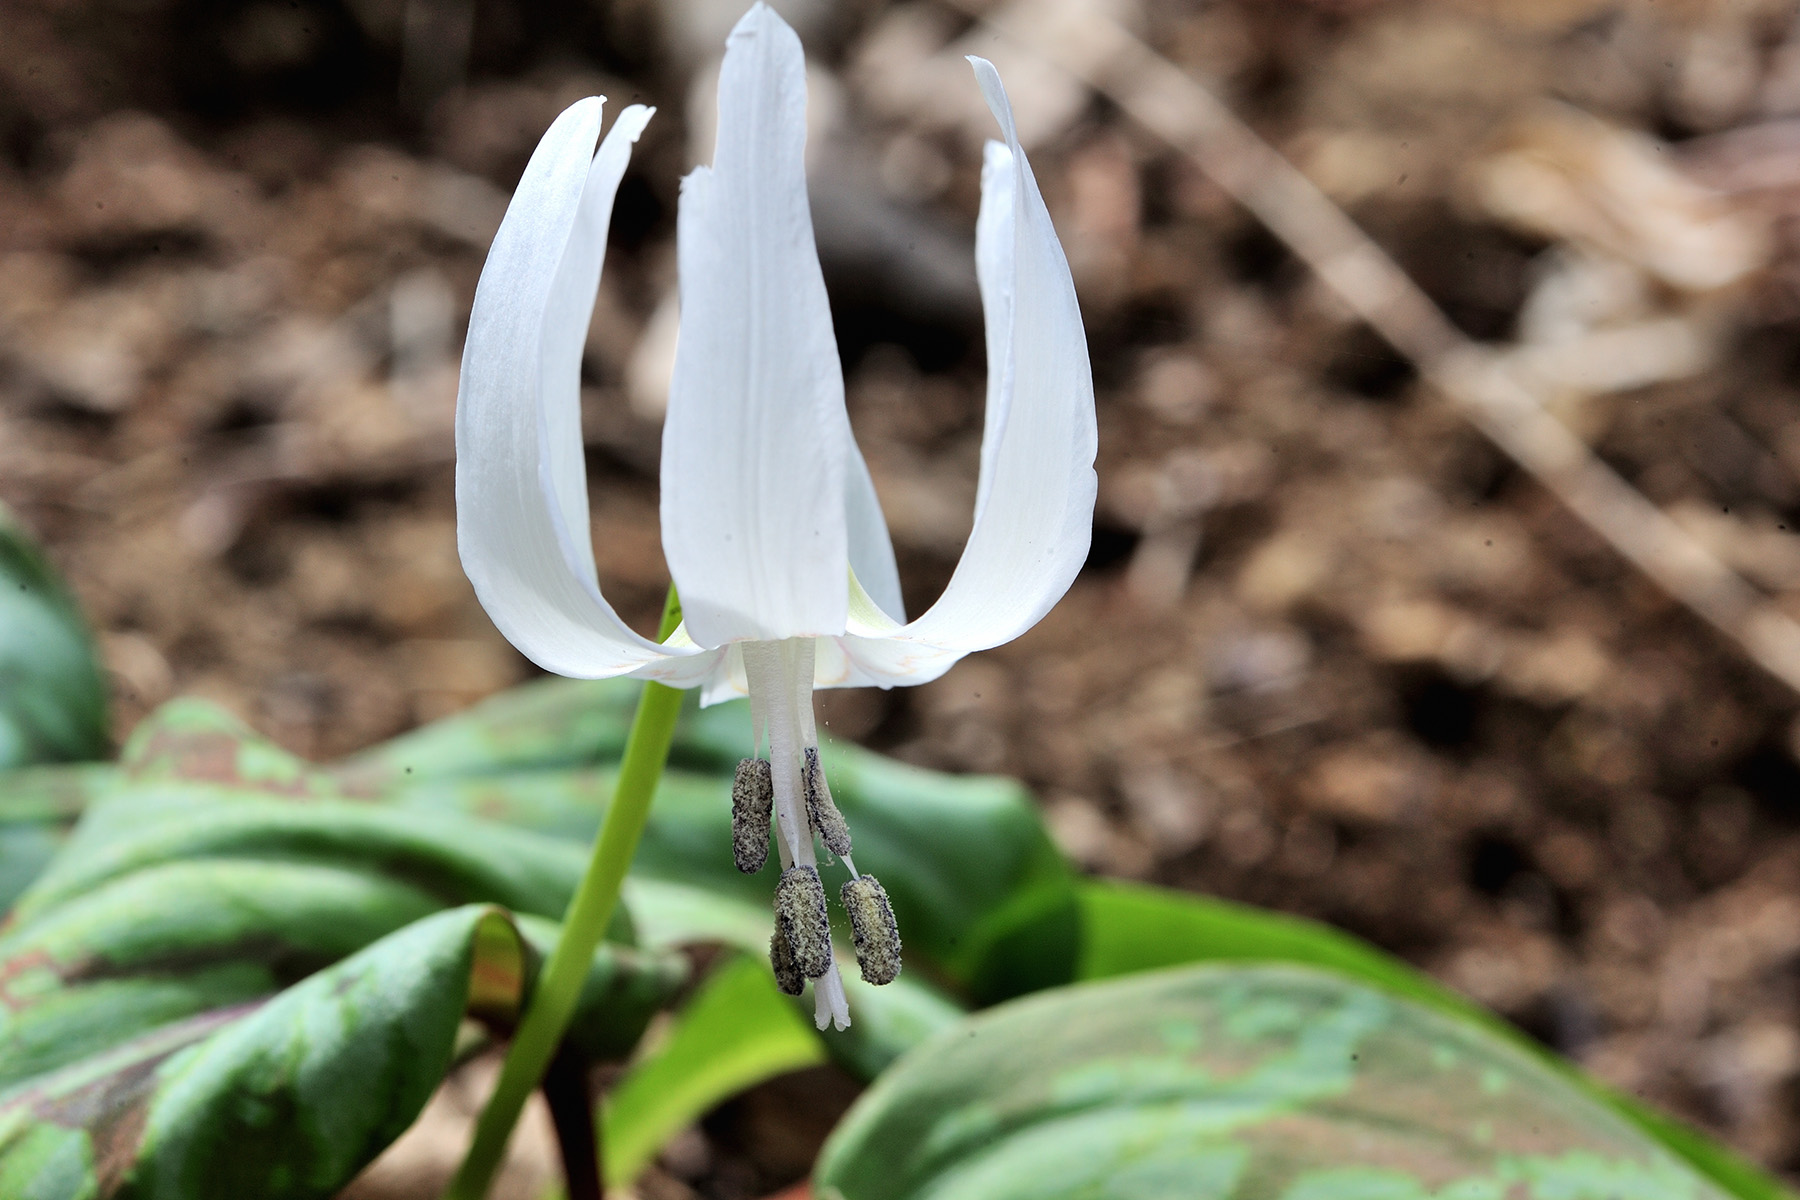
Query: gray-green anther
[
  {"x": 800, "y": 918},
  {"x": 821, "y": 812},
  {"x": 787, "y": 972},
  {"x": 752, "y": 800},
  {"x": 873, "y": 929}
]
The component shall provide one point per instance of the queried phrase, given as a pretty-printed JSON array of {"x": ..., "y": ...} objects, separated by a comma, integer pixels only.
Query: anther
[
  {"x": 752, "y": 797},
  {"x": 821, "y": 812},
  {"x": 873, "y": 929},
  {"x": 800, "y": 918},
  {"x": 787, "y": 972}
]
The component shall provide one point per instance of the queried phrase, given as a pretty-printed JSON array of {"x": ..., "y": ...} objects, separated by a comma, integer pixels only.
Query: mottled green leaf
[
  {"x": 286, "y": 1097},
  {"x": 196, "y": 785},
  {"x": 983, "y": 896},
  {"x": 211, "y": 871},
  {"x": 543, "y": 725},
  {"x": 175, "y": 939},
  {"x": 1239, "y": 1082},
  {"x": 1131, "y": 927},
  {"x": 52, "y": 690}
]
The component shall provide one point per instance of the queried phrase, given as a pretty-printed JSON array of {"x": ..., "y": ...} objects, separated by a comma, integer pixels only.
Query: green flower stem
[{"x": 585, "y": 922}]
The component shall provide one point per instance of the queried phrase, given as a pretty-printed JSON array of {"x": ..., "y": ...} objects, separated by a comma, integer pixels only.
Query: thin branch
[
  {"x": 577, "y": 1134},
  {"x": 1171, "y": 104}
]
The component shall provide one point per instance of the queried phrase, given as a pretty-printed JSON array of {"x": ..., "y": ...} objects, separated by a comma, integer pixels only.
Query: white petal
[
  {"x": 688, "y": 665},
  {"x": 521, "y": 497},
  {"x": 893, "y": 662},
  {"x": 567, "y": 314},
  {"x": 871, "y": 549},
  {"x": 994, "y": 270},
  {"x": 728, "y": 680},
  {"x": 1035, "y": 503},
  {"x": 754, "y": 446}
]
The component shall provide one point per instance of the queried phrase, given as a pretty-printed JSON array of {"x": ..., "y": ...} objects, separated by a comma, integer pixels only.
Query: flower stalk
[{"x": 585, "y": 922}]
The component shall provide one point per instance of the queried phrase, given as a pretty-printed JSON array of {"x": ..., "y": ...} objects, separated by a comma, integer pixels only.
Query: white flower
[{"x": 770, "y": 522}]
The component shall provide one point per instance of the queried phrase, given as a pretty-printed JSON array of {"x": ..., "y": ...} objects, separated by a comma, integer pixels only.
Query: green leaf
[
  {"x": 544, "y": 725},
  {"x": 735, "y": 1033},
  {"x": 985, "y": 901},
  {"x": 1130, "y": 927},
  {"x": 1247, "y": 1082},
  {"x": 52, "y": 690},
  {"x": 176, "y": 939},
  {"x": 213, "y": 870},
  {"x": 1731, "y": 1171},
  {"x": 982, "y": 896},
  {"x": 195, "y": 785},
  {"x": 38, "y": 806},
  {"x": 284, "y": 1097},
  {"x": 195, "y": 788}
]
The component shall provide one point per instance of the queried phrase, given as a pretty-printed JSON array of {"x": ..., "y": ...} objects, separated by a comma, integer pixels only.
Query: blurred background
[{"x": 1333, "y": 650}]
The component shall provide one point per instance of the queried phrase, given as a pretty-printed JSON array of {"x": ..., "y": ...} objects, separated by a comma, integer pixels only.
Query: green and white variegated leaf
[
  {"x": 284, "y": 1097},
  {"x": 1235, "y": 1083},
  {"x": 981, "y": 891},
  {"x": 235, "y": 979},
  {"x": 540, "y": 726}
]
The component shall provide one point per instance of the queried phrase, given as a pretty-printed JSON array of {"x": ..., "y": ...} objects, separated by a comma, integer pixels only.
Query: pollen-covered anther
[
  {"x": 752, "y": 799},
  {"x": 821, "y": 813},
  {"x": 800, "y": 918},
  {"x": 873, "y": 929},
  {"x": 787, "y": 972}
]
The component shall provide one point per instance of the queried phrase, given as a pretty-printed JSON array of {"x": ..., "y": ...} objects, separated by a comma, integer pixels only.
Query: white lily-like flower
[{"x": 770, "y": 522}]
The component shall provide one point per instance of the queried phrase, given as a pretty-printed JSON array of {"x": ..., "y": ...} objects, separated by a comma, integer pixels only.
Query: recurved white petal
[
  {"x": 521, "y": 499},
  {"x": 567, "y": 313},
  {"x": 754, "y": 445},
  {"x": 1035, "y": 502},
  {"x": 994, "y": 256},
  {"x": 870, "y": 547}
]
